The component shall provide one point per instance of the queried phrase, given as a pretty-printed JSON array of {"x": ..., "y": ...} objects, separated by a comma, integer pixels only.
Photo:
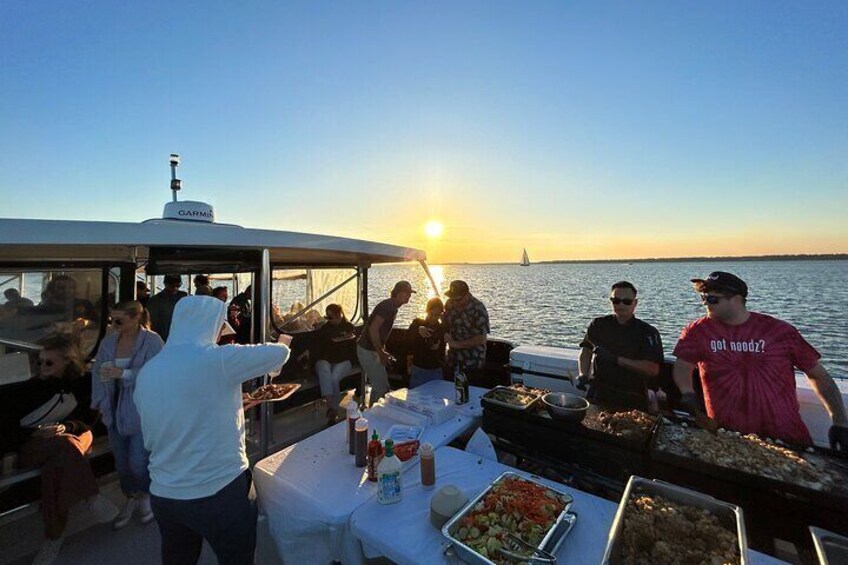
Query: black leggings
[{"x": 227, "y": 520}]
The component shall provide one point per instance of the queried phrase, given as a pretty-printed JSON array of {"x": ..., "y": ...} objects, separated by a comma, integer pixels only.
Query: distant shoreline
[{"x": 736, "y": 258}]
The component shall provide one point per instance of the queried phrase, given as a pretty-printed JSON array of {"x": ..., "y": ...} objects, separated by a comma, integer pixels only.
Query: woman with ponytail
[{"x": 121, "y": 355}]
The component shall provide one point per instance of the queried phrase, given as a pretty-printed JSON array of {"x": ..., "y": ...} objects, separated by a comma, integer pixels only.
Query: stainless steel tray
[
  {"x": 550, "y": 543},
  {"x": 832, "y": 549},
  {"x": 728, "y": 514},
  {"x": 486, "y": 398}
]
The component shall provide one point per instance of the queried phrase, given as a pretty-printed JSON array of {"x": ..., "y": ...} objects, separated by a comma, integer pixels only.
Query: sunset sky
[{"x": 574, "y": 129}]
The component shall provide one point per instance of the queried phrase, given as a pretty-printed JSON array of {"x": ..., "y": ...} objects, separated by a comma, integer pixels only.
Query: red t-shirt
[{"x": 748, "y": 373}]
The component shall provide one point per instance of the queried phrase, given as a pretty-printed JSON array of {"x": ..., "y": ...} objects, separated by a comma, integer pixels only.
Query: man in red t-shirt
[{"x": 747, "y": 365}]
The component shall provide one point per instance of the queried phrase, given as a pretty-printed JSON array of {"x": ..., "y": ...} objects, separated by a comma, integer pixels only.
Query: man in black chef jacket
[{"x": 620, "y": 353}]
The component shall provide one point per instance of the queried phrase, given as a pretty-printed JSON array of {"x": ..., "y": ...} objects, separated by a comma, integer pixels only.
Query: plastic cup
[{"x": 104, "y": 378}]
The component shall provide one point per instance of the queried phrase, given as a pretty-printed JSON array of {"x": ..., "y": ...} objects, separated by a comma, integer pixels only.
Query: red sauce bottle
[{"x": 375, "y": 454}]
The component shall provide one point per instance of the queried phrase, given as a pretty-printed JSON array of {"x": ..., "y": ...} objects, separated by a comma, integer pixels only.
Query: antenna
[{"x": 175, "y": 182}]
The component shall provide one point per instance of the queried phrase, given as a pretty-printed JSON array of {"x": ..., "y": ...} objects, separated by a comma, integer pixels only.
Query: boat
[
  {"x": 525, "y": 260},
  {"x": 105, "y": 259}
]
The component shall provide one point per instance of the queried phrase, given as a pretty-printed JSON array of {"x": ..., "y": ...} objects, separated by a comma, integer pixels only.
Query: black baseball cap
[
  {"x": 402, "y": 286},
  {"x": 720, "y": 281},
  {"x": 457, "y": 289},
  {"x": 171, "y": 279}
]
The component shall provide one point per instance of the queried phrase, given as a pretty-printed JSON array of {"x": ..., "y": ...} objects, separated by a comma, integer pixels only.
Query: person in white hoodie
[{"x": 190, "y": 402}]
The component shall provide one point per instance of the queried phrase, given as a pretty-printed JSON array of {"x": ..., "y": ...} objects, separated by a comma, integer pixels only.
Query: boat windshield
[{"x": 300, "y": 296}]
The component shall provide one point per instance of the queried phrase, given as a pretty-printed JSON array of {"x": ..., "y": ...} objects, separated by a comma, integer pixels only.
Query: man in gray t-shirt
[{"x": 371, "y": 348}]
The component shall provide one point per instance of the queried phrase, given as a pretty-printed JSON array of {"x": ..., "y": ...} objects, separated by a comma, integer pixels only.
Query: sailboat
[{"x": 525, "y": 260}]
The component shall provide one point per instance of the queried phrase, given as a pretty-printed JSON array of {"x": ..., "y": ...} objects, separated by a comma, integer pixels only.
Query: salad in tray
[{"x": 513, "y": 505}]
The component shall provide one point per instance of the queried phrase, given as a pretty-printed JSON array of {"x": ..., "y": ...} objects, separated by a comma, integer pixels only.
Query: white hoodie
[{"x": 189, "y": 400}]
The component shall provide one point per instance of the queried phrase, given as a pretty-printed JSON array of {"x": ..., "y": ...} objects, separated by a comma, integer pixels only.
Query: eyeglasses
[
  {"x": 46, "y": 362},
  {"x": 626, "y": 301},
  {"x": 712, "y": 299},
  {"x": 117, "y": 322}
]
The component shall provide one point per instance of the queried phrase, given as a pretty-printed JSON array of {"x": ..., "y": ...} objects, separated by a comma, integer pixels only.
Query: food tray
[
  {"x": 399, "y": 433},
  {"x": 487, "y": 399},
  {"x": 728, "y": 514},
  {"x": 582, "y": 428},
  {"x": 832, "y": 549},
  {"x": 292, "y": 388},
  {"x": 550, "y": 543},
  {"x": 827, "y": 498}
]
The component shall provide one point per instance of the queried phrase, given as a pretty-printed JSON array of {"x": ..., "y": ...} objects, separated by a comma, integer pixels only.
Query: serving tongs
[
  {"x": 699, "y": 420},
  {"x": 517, "y": 544}
]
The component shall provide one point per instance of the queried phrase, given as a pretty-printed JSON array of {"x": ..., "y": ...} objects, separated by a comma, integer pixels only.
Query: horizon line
[{"x": 695, "y": 259}]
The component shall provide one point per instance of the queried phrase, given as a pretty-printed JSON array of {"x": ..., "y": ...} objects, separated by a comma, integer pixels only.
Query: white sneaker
[
  {"x": 48, "y": 552},
  {"x": 126, "y": 513},
  {"x": 145, "y": 512},
  {"x": 102, "y": 510}
]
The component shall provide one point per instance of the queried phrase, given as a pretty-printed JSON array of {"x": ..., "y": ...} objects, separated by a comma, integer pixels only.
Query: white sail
[{"x": 525, "y": 260}]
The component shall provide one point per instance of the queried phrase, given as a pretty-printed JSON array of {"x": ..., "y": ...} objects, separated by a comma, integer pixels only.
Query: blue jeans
[
  {"x": 130, "y": 462},
  {"x": 420, "y": 376}
]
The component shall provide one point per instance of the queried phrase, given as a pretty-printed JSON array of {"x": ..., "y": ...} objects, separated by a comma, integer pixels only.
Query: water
[{"x": 553, "y": 304}]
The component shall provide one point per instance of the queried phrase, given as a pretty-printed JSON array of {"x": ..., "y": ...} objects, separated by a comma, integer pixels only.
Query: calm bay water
[{"x": 553, "y": 304}]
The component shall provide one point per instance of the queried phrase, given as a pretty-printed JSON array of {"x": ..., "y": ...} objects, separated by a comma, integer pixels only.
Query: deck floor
[{"x": 21, "y": 532}]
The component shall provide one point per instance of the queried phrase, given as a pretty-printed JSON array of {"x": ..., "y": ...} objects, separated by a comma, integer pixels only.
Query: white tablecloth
[
  {"x": 403, "y": 533},
  {"x": 309, "y": 490}
]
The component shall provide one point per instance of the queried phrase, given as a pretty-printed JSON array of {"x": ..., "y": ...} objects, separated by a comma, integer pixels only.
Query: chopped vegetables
[
  {"x": 515, "y": 505},
  {"x": 514, "y": 398}
]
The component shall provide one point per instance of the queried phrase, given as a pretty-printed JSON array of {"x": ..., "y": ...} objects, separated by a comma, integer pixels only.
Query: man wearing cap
[
  {"x": 467, "y": 325},
  {"x": 626, "y": 351},
  {"x": 371, "y": 348},
  {"x": 747, "y": 365},
  {"x": 161, "y": 305}
]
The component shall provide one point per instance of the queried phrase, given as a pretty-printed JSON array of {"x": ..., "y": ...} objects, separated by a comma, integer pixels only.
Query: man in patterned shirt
[{"x": 467, "y": 323}]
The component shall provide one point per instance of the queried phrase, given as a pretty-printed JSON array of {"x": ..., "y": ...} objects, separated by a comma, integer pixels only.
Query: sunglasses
[
  {"x": 712, "y": 299},
  {"x": 46, "y": 362},
  {"x": 625, "y": 301},
  {"x": 117, "y": 322}
]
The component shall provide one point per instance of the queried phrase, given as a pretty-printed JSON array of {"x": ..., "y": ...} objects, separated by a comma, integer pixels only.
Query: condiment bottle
[
  {"x": 460, "y": 383},
  {"x": 428, "y": 465},
  {"x": 353, "y": 415},
  {"x": 389, "y": 485},
  {"x": 375, "y": 453},
  {"x": 360, "y": 441}
]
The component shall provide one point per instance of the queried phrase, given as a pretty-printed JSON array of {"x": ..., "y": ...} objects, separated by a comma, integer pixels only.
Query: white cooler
[{"x": 552, "y": 368}]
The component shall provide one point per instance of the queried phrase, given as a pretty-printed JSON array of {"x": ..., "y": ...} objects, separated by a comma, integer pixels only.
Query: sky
[{"x": 576, "y": 130}]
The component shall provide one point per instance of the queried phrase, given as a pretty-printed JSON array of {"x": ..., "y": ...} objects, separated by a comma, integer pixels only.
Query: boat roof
[{"x": 32, "y": 240}]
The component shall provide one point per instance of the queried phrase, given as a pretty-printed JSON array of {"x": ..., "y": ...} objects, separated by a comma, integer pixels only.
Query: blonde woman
[{"x": 123, "y": 352}]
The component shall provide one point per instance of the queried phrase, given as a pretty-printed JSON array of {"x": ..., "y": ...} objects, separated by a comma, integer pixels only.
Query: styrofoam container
[{"x": 438, "y": 409}]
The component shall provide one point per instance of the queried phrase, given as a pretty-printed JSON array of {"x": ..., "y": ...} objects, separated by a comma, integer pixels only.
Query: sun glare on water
[{"x": 433, "y": 229}]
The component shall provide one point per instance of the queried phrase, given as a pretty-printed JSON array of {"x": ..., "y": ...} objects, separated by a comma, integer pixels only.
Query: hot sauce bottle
[{"x": 375, "y": 453}]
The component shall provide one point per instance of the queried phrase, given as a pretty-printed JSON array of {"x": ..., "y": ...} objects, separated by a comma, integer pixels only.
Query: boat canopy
[{"x": 168, "y": 243}]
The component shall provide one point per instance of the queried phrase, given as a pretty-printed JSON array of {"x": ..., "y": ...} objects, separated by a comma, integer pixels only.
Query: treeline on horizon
[{"x": 799, "y": 257}]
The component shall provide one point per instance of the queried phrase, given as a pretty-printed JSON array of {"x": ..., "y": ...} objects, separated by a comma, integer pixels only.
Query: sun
[{"x": 433, "y": 229}]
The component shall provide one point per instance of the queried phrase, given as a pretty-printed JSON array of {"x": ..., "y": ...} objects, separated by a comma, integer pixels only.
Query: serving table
[
  {"x": 402, "y": 531},
  {"x": 309, "y": 490}
]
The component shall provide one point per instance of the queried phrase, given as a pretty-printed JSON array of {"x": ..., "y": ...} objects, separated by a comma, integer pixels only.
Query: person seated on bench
[
  {"x": 333, "y": 352},
  {"x": 55, "y": 434},
  {"x": 120, "y": 357}
]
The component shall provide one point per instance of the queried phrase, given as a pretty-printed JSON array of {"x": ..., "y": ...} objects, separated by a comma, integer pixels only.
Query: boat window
[
  {"x": 300, "y": 296},
  {"x": 35, "y": 304}
]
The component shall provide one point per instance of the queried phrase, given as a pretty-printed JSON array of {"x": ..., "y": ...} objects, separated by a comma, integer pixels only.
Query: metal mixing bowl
[{"x": 565, "y": 406}]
